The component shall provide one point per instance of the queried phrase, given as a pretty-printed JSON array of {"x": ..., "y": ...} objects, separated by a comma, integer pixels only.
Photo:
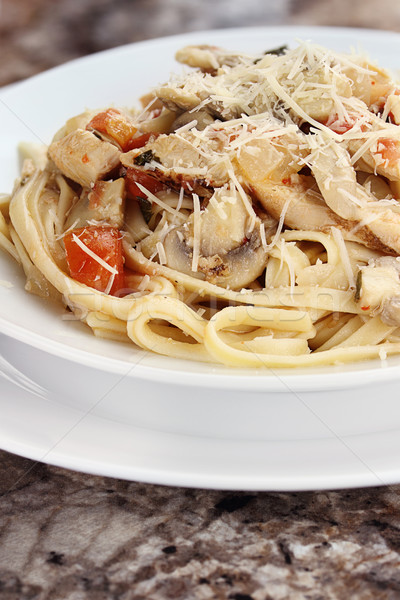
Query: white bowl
[{"x": 113, "y": 409}]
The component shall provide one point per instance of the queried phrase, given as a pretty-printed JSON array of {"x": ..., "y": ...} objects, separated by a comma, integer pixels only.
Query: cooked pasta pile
[{"x": 247, "y": 214}]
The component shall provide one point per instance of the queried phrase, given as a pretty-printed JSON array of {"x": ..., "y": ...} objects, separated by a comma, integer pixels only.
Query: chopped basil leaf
[
  {"x": 141, "y": 159},
  {"x": 145, "y": 207}
]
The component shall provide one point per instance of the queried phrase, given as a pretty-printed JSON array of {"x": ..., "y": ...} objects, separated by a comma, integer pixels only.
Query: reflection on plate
[{"x": 165, "y": 420}]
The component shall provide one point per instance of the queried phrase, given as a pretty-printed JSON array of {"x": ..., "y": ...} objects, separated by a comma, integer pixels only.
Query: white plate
[{"x": 109, "y": 408}]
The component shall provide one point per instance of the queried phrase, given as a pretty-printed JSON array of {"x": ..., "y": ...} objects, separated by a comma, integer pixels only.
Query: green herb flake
[
  {"x": 142, "y": 159},
  {"x": 357, "y": 293},
  {"x": 146, "y": 208},
  {"x": 278, "y": 51}
]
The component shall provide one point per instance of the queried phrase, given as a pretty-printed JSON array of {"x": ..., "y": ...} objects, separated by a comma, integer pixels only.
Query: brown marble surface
[{"x": 69, "y": 536}]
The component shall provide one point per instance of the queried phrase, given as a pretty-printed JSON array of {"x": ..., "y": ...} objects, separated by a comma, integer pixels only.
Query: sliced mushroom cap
[
  {"x": 210, "y": 58},
  {"x": 104, "y": 203},
  {"x": 229, "y": 255},
  {"x": 178, "y": 99},
  {"x": 202, "y": 118},
  {"x": 234, "y": 269}
]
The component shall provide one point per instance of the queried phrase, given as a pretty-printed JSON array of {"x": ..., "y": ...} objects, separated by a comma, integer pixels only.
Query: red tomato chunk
[
  {"x": 140, "y": 141},
  {"x": 106, "y": 243},
  {"x": 115, "y": 125},
  {"x": 389, "y": 149},
  {"x": 134, "y": 176}
]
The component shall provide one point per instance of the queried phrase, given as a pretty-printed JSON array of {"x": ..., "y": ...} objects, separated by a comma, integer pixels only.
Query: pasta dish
[{"x": 246, "y": 214}]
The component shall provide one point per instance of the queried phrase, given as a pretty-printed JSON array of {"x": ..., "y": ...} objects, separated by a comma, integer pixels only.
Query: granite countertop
[
  {"x": 71, "y": 536},
  {"x": 68, "y": 536}
]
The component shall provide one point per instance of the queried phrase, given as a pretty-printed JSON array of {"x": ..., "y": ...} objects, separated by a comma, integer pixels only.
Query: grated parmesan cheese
[
  {"x": 161, "y": 253},
  {"x": 196, "y": 232}
]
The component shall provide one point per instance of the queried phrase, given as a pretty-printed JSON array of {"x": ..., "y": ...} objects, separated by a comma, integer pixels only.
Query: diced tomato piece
[
  {"x": 389, "y": 149},
  {"x": 140, "y": 141},
  {"x": 106, "y": 243},
  {"x": 338, "y": 125},
  {"x": 115, "y": 125},
  {"x": 134, "y": 176}
]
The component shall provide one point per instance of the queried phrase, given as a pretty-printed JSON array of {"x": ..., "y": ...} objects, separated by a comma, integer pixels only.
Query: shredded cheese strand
[{"x": 95, "y": 257}]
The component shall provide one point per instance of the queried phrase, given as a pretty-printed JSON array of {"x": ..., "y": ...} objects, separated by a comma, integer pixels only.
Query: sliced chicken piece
[
  {"x": 271, "y": 160},
  {"x": 378, "y": 289},
  {"x": 229, "y": 255},
  {"x": 382, "y": 156},
  {"x": 370, "y": 83},
  {"x": 305, "y": 207},
  {"x": 104, "y": 203},
  {"x": 332, "y": 169},
  {"x": 84, "y": 158},
  {"x": 180, "y": 160},
  {"x": 392, "y": 107}
]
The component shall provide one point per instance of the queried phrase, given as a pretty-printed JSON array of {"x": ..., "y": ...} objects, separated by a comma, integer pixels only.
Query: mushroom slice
[
  {"x": 229, "y": 255},
  {"x": 160, "y": 124},
  {"x": 378, "y": 289},
  {"x": 203, "y": 88},
  {"x": 209, "y": 58},
  {"x": 105, "y": 203},
  {"x": 84, "y": 158},
  {"x": 202, "y": 118},
  {"x": 177, "y": 99}
]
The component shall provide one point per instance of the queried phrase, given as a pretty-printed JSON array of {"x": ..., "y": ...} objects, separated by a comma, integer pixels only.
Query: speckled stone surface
[{"x": 70, "y": 536}]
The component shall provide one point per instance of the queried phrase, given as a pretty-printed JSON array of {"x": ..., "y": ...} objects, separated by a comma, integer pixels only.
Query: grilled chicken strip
[
  {"x": 331, "y": 167},
  {"x": 84, "y": 158}
]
